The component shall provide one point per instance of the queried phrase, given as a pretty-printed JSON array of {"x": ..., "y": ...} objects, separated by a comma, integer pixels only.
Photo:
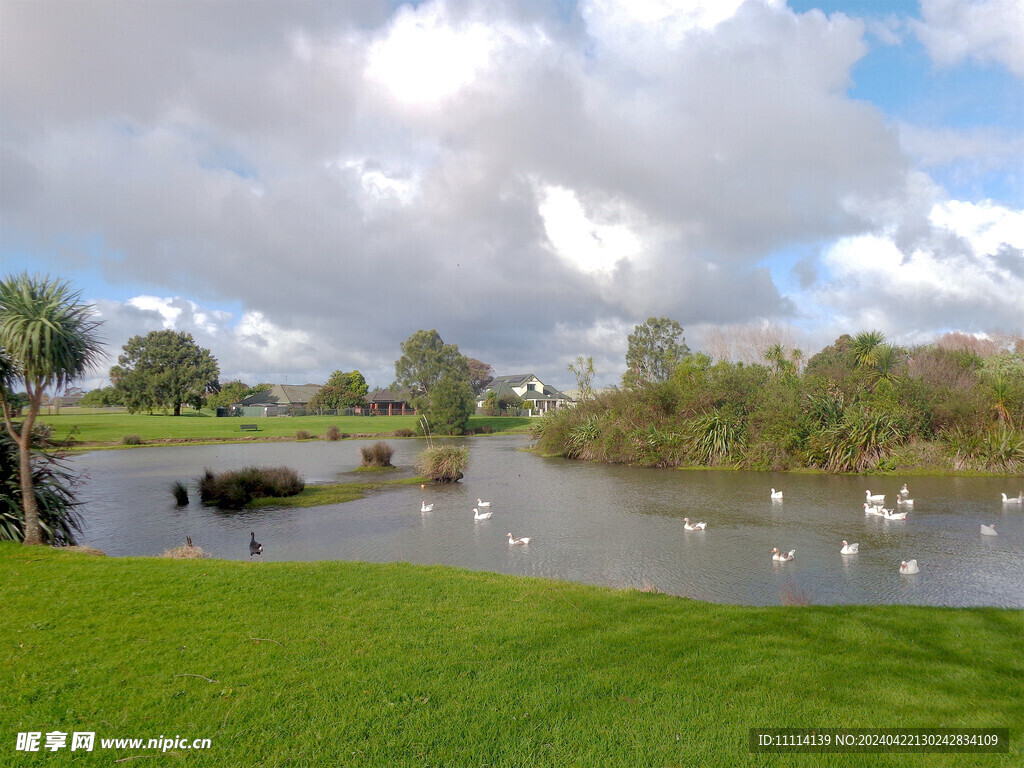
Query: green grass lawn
[
  {"x": 354, "y": 664},
  {"x": 106, "y": 427}
]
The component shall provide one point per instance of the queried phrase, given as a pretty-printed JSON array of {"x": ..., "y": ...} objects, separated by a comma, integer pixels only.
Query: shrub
[
  {"x": 404, "y": 432},
  {"x": 185, "y": 552},
  {"x": 333, "y": 433},
  {"x": 180, "y": 491},
  {"x": 52, "y": 485},
  {"x": 443, "y": 463},
  {"x": 377, "y": 455},
  {"x": 235, "y": 489},
  {"x": 131, "y": 440},
  {"x": 302, "y": 434}
]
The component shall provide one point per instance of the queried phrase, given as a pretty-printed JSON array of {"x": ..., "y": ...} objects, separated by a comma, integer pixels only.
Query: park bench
[{"x": 249, "y": 427}]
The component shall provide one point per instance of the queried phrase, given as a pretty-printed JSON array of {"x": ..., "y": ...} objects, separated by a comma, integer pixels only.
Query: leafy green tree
[
  {"x": 102, "y": 398},
  {"x": 451, "y": 402},
  {"x": 655, "y": 349},
  {"x": 866, "y": 348},
  {"x": 425, "y": 359},
  {"x": 47, "y": 339},
  {"x": 164, "y": 369},
  {"x": 342, "y": 390}
]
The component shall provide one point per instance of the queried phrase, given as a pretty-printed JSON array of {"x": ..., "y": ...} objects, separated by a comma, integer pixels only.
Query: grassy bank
[
  {"x": 331, "y": 493},
  {"x": 354, "y": 664},
  {"x": 111, "y": 428}
]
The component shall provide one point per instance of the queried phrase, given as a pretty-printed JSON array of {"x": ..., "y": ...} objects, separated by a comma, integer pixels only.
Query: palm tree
[
  {"x": 47, "y": 339},
  {"x": 886, "y": 362},
  {"x": 865, "y": 347}
]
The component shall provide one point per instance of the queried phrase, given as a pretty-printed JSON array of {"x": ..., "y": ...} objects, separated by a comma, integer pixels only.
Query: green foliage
[
  {"x": 451, "y": 402},
  {"x": 235, "y": 489},
  {"x": 443, "y": 463},
  {"x": 344, "y": 389},
  {"x": 233, "y": 392},
  {"x": 425, "y": 359},
  {"x": 583, "y": 370},
  {"x": 52, "y": 484},
  {"x": 857, "y": 443},
  {"x": 164, "y": 369},
  {"x": 655, "y": 349},
  {"x": 102, "y": 398},
  {"x": 131, "y": 440}
]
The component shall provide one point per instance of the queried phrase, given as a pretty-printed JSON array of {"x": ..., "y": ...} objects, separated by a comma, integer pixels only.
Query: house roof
[
  {"x": 283, "y": 394},
  {"x": 389, "y": 396},
  {"x": 502, "y": 385}
]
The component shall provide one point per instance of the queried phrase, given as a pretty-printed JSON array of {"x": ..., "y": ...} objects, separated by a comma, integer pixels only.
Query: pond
[{"x": 598, "y": 524}]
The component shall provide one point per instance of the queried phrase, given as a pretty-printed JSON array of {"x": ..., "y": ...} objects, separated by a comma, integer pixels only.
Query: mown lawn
[
  {"x": 91, "y": 427},
  {"x": 354, "y": 664}
]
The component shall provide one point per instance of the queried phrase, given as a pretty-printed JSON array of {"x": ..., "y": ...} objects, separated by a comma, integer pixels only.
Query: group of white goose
[
  {"x": 480, "y": 512},
  {"x": 874, "y": 505}
]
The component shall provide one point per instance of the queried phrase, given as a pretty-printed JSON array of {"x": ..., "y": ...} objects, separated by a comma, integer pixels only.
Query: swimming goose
[
  {"x": 776, "y": 494},
  {"x": 1018, "y": 500},
  {"x": 776, "y": 555},
  {"x": 870, "y": 509},
  {"x": 255, "y": 548},
  {"x": 888, "y": 514},
  {"x": 483, "y": 503},
  {"x": 904, "y": 491},
  {"x": 849, "y": 549},
  {"x": 695, "y": 526},
  {"x": 478, "y": 515},
  {"x": 877, "y": 498},
  {"x": 988, "y": 530},
  {"x": 424, "y": 507},
  {"x": 908, "y": 566},
  {"x": 512, "y": 540},
  {"x": 904, "y": 502}
]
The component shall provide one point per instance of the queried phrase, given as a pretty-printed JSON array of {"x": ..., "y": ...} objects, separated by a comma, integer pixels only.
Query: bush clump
[
  {"x": 235, "y": 489},
  {"x": 302, "y": 434},
  {"x": 404, "y": 432},
  {"x": 180, "y": 491},
  {"x": 131, "y": 440},
  {"x": 443, "y": 463},
  {"x": 333, "y": 433},
  {"x": 377, "y": 455}
]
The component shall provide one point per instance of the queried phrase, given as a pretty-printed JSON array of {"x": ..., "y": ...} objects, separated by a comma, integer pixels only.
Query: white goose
[
  {"x": 478, "y": 515},
  {"x": 904, "y": 491},
  {"x": 888, "y": 514},
  {"x": 1011, "y": 500},
  {"x": 480, "y": 503},
  {"x": 424, "y": 507},
  {"x": 988, "y": 530},
  {"x": 878, "y": 498},
  {"x": 870, "y": 509},
  {"x": 908, "y": 566},
  {"x": 901, "y": 502},
  {"x": 694, "y": 526},
  {"x": 776, "y": 494},
  {"x": 849, "y": 549},
  {"x": 513, "y": 541},
  {"x": 782, "y": 558}
]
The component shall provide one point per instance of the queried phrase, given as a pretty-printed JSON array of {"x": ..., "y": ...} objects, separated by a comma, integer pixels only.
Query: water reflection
[{"x": 613, "y": 526}]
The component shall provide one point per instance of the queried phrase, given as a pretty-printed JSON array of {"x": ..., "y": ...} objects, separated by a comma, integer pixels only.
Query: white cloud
[
  {"x": 982, "y": 30},
  {"x": 591, "y": 243}
]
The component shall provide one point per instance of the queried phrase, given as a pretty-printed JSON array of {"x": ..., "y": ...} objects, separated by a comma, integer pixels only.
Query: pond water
[{"x": 598, "y": 524}]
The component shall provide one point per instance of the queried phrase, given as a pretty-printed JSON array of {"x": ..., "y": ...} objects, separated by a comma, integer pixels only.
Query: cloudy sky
[{"x": 304, "y": 185}]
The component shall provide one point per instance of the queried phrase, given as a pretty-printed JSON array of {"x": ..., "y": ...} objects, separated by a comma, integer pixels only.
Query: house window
[{"x": 531, "y": 387}]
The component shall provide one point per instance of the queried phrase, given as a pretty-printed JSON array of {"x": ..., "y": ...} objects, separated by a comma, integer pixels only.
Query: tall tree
[
  {"x": 655, "y": 349},
  {"x": 47, "y": 339},
  {"x": 583, "y": 370},
  {"x": 344, "y": 389},
  {"x": 425, "y": 358},
  {"x": 451, "y": 402},
  {"x": 480, "y": 374},
  {"x": 164, "y": 369}
]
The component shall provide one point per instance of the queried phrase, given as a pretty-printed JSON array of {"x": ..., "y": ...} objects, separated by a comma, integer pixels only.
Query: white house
[{"x": 535, "y": 394}]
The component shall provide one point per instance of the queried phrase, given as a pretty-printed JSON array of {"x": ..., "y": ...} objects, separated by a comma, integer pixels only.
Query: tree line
[{"x": 860, "y": 404}]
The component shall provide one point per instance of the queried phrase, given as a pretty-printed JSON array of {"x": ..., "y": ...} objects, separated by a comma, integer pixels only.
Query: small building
[
  {"x": 535, "y": 394},
  {"x": 389, "y": 402},
  {"x": 279, "y": 400}
]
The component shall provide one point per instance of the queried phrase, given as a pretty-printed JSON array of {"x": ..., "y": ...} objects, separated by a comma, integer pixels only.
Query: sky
[{"x": 303, "y": 185}]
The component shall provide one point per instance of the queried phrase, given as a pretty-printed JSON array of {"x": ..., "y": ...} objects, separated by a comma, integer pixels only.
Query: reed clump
[
  {"x": 180, "y": 491},
  {"x": 302, "y": 434},
  {"x": 236, "y": 488},
  {"x": 333, "y": 433},
  {"x": 131, "y": 440},
  {"x": 185, "y": 552},
  {"x": 443, "y": 463},
  {"x": 377, "y": 455}
]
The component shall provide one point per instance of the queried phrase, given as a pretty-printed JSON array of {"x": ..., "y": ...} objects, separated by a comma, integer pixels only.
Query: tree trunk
[
  {"x": 33, "y": 533},
  {"x": 177, "y": 409}
]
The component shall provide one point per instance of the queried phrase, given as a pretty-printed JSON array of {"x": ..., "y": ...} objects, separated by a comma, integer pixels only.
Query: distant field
[{"x": 86, "y": 425}]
